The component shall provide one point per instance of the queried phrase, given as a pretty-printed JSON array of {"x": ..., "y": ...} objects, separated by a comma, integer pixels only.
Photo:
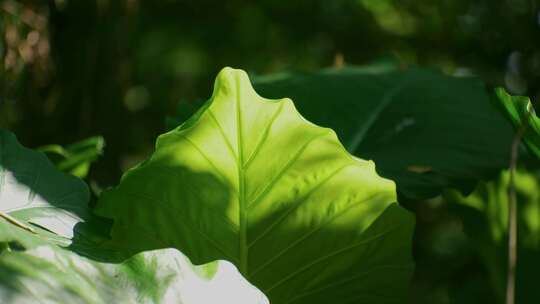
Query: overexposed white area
[
  {"x": 226, "y": 286},
  {"x": 15, "y": 196}
]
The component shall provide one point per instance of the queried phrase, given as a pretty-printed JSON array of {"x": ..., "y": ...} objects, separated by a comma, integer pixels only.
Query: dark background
[{"x": 73, "y": 69}]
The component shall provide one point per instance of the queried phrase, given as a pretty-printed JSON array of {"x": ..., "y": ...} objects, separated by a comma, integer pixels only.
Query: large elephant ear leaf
[
  {"x": 33, "y": 192},
  {"x": 521, "y": 112},
  {"x": 249, "y": 180}
]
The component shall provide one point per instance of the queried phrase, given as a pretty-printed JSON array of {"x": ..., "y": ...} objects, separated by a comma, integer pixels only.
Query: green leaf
[
  {"x": 485, "y": 218},
  {"x": 33, "y": 191},
  {"x": 424, "y": 130},
  {"x": 521, "y": 113},
  {"x": 35, "y": 267},
  {"x": 249, "y": 180},
  {"x": 48, "y": 273},
  {"x": 77, "y": 157}
]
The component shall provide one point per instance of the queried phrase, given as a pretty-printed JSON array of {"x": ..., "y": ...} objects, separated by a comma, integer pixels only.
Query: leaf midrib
[{"x": 242, "y": 218}]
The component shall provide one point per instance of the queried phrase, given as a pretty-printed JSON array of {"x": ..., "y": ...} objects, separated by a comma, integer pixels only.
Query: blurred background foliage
[{"x": 70, "y": 70}]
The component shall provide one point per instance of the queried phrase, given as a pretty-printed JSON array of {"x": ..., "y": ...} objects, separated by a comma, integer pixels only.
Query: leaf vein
[
  {"x": 210, "y": 162},
  {"x": 327, "y": 256},
  {"x": 346, "y": 280},
  {"x": 307, "y": 235},
  {"x": 224, "y": 136},
  {"x": 287, "y": 166},
  {"x": 297, "y": 205},
  {"x": 167, "y": 204},
  {"x": 264, "y": 137}
]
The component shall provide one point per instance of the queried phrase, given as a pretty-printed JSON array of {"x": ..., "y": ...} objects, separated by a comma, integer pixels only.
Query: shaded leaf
[
  {"x": 425, "y": 130},
  {"x": 249, "y": 180},
  {"x": 485, "y": 219},
  {"x": 33, "y": 191}
]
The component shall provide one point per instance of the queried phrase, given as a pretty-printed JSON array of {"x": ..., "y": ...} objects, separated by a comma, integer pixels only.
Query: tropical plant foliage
[
  {"x": 249, "y": 180},
  {"x": 272, "y": 206},
  {"x": 53, "y": 251},
  {"x": 521, "y": 113},
  {"x": 485, "y": 219},
  {"x": 407, "y": 87}
]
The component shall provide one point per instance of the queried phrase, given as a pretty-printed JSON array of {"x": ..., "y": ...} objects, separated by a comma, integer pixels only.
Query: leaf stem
[
  {"x": 512, "y": 219},
  {"x": 16, "y": 222}
]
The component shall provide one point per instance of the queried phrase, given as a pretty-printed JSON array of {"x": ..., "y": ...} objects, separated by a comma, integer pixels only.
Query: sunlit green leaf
[{"x": 249, "y": 180}]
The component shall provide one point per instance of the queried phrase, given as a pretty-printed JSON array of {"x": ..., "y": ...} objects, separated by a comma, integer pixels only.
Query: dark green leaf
[{"x": 425, "y": 130}]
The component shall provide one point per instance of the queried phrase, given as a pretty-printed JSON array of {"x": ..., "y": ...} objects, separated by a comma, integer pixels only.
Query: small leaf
[
  {"x": 77, "y": 157},
  {"x": 249, "y": 180},
  {"x": 521, "y": 113}
]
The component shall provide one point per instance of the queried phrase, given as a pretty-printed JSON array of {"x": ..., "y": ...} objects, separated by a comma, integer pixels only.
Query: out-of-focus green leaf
[
  {"x": 249, "y": 180},
  {"x": 485, "y": 219},
  {"x": 48, "y": 273},
  {"x": 425, "y": 130},
  {"x": 76, "y": 158},
  {"x": 521, "y": 112}
]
